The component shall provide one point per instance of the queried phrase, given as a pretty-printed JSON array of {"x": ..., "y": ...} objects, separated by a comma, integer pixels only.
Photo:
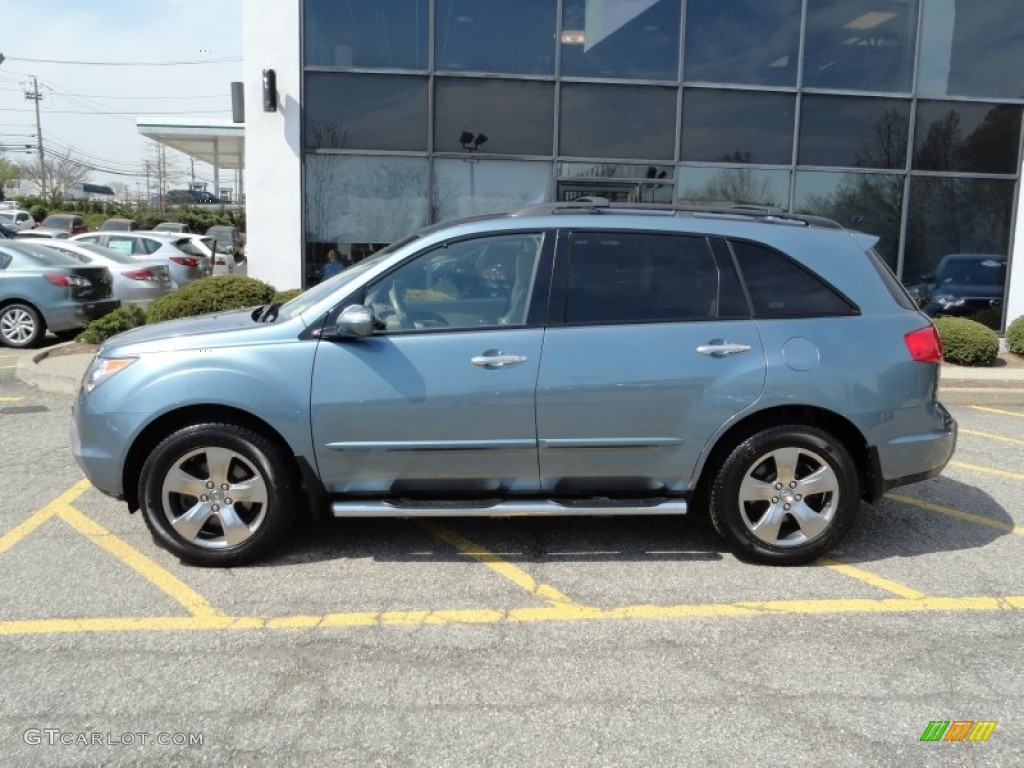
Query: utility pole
[{"x": 36, "y": 96}]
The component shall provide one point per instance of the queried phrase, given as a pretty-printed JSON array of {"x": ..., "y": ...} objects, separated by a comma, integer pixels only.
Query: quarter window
[
  {"x": 779, "y": 287},
  {"x": 636, "y": 277}
]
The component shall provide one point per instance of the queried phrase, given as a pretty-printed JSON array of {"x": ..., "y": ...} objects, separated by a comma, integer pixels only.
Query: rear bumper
[
  {"x": 65, "y": 317},
  {"x": 913, "y": 457}
]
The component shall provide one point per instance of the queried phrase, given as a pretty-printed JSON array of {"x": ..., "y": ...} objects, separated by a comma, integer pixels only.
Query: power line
[
  {"x": 132, "y": 112},
  {"x": 128, "y": 63}
]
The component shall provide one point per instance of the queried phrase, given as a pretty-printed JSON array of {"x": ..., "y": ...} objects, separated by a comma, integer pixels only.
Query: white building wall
[
  {"x": 1015, "y": 291},
  {"x": 273, "y": 167}
]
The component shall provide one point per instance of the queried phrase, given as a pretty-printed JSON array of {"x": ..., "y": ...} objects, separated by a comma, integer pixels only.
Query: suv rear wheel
[
  {"x": 785, "y": 495},
  {"x": 217, "y": 494}
]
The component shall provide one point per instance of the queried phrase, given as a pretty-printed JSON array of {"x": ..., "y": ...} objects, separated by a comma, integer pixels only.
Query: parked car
[
  {"x": 40, "y": 233},
  {"x": 187, "y": 262},
  {"x": 7, "y": 232},
  {"x": 136, "y": 281},
  {"x": 229, "y": 239},
  {"x": 17, "y": 219},
  {"x": 65, "y": 222},
  {"x": 172, "y": 227},
  {"x": 49, "y": 290},
  {"x": 119, "y": 225},
  {"x": 689, "y": 358},
  {"x": 964, "y": 284}
]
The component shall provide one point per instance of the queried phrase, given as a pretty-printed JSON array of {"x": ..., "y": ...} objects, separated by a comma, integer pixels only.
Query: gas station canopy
[{"x": 221, "y": 143}]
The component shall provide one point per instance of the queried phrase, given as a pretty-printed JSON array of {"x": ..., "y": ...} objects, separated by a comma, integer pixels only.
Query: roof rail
[{"x": 601, "y": 205}]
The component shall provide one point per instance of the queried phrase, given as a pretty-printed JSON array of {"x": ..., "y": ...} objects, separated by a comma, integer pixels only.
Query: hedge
[
  {"x": 1015, "y": 336},
  {"x": 121, "y": 319},
  {"x": 966, "y": 342},
  {"x": 211, "y": 294}
]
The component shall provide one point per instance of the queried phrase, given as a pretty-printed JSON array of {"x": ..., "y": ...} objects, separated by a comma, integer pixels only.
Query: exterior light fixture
[
  {"x": 470, "y": 142},
  {"x": 269, "y": 90}
]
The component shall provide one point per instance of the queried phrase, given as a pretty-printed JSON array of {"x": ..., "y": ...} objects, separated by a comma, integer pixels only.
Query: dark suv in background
[{"x": 565, "y": 359}]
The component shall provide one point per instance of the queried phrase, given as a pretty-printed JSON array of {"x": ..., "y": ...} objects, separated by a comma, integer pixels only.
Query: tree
[
  {"x": 63, "y": 171},
  {"x": 8, "y": 172}
]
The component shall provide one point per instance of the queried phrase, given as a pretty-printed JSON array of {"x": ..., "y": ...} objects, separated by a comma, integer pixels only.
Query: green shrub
[
  {"x": 122, "y": 319},
  {"x": 283, "y": 296},
  {"x": 38, "y": 212},
  {"x": 966, "y": 342},
  {"x": 1015, "y": 336},
  {"x": 211, "y": 294}
]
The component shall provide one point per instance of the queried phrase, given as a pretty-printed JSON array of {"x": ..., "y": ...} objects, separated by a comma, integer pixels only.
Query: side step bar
[{"x": 410, "y": 508}]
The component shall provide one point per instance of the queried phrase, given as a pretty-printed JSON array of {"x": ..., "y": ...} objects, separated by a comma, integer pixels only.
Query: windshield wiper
[{"x": 269, "y": 313}]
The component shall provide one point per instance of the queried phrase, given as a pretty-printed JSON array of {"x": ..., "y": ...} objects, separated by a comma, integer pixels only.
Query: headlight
[{"x": 102, "y": 368}]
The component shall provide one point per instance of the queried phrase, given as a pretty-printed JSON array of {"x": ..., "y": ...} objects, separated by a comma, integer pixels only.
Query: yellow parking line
[
  {"x": 870, "y": 578},
  {"x": 997, "y": 410},
  {"x": 988, "y": 436},
  {"x": 968, "y": 517},
  {"x": 986, "y": 470},
  {"x": 9, "y": 399},
  {"x": 550, "y": 613},
  {"x": 162, "y": 579},
  {"x": 497, "y": 564},
  {"x": 41, "y": 515},
  {"x": 7, "y": 367}
]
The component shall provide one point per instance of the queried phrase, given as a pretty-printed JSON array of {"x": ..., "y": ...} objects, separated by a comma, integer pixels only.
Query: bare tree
[{"x": 63, "y": 171}]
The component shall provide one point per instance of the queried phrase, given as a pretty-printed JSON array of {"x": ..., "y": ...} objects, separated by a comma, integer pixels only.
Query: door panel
[{"x": 413, "y": 415}]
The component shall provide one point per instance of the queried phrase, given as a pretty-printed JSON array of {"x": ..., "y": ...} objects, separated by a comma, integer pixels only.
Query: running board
[{"x": 490, "y": 508}]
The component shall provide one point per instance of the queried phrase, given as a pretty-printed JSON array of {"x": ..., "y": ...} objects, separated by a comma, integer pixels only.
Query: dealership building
[{"x": 367, "y": 120}]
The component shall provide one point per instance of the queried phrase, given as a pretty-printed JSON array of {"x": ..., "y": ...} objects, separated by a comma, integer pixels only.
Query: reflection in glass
[
  {"x": 970, "y": 49},
  {"x": 866, "y": 202},
  {"x": 957, "y": 136},
  {"x": 734, "y": 186},
  {"x": 348, "y": 111},
  {"x": 742, "y": 41},
  {"x": 955, "y": 216},
  {"x": 470, "y": 186},
  {"x": 516, "y": 116},
  {"x": 617, "y": 121},
  {"x": 737, "y": 126},
  {"x": 854, "y": 132},
  {"x": 865, "y": 45},
  {"x": 616, "y": 170},
  {"x": 495, "y": 36},
  {"x": 608, "y": 38},
  {"x": 358, "y": 199},
  {"x": 388, "y": 34}
]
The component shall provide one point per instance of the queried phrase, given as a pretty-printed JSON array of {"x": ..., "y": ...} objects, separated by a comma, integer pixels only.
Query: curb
[{"x": 30, "y": 372}]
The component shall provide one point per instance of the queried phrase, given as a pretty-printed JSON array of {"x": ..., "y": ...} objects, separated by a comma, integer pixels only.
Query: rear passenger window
[
  {"x": 637, "y": 277},
  {"x": 779, "y": 287}
]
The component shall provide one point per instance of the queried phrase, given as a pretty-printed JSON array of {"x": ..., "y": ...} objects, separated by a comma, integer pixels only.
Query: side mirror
[{"x": 354, "y": 322}]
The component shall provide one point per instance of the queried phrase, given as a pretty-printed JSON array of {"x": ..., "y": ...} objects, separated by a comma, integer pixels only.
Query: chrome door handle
[
  {"x": 495, "y": 359},
  {"x": 722, "y": 348}
]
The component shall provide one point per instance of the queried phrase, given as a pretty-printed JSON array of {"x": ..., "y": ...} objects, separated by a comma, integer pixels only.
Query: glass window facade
[{"x": 901, "y": 118}]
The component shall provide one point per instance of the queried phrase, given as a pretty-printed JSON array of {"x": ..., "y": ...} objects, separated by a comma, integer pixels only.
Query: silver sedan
[{"x": 136, "y": 281}]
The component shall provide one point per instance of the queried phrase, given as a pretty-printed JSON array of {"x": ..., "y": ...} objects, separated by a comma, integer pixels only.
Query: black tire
[
  {"x": 206, "y": 526},
  {"x": 21, "y": 326},
  {"x": 756, "y": 501}
]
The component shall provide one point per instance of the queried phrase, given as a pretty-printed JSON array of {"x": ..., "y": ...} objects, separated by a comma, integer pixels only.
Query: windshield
[
  {"x": 319, "y": 292},
  {"x": 982, "y": 271},
  {"x": 43, "y": 256}
]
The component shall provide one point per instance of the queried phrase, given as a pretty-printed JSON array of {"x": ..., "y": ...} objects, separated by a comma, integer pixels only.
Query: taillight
[
  {"x": 140, "y": 274},
  {"x": 185, "y": 261},
  {"x": 66, "y": 281},
  {"x": 220, "y": 262},
  {"x": 924, "y": 345}
]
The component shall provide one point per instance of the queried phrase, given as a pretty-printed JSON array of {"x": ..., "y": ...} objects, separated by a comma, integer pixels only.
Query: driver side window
[{"x": 480, "y": 283}]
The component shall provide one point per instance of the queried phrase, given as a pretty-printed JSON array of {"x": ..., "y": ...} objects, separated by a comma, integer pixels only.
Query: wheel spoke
[
  {"x": 812, "y": 524},
  {"x": 767, "y": 528},
  {"x": 189, "y": 524},
  {"x": 235, "y": 530},
  {"x": 180, "y": 481},
  {"x": 752, "y": 489},
  {"x": 786, "y": 460},
  {"x": 821, "y": 480},
  {"x": 218, "y": 462},
  {"x": 251, "y": 491}
]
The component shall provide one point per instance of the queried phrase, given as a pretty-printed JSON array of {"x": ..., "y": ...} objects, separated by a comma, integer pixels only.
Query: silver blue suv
[{"x": 566, "y": 359}]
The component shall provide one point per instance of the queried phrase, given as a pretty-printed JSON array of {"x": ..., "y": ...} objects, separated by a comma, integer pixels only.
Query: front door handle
[
  {"x": 719, "y": 348},
  {"x": 494, "y": 358}
]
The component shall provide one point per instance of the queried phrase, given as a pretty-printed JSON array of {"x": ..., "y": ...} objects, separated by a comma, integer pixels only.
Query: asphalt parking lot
[{"x": 628, "y": 641}]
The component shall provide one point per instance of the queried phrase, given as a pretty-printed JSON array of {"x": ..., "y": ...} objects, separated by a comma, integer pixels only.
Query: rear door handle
[
  {"x": 718, "y": 348},
  {"x": 492, "y": 358}
]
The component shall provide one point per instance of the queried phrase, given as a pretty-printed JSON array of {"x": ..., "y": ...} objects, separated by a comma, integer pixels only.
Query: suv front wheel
[
  {"x": 217, "y": 494},
  {"x": 785, "y": 495}
]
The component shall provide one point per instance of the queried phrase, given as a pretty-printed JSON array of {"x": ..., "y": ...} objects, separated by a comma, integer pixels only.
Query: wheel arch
[
  {"x": 796, "y": 415},
  {"x": 170, "y": 422}
]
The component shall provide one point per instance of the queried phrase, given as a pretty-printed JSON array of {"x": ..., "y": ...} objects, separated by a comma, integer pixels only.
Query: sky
[{"x": 92, "y": 109}]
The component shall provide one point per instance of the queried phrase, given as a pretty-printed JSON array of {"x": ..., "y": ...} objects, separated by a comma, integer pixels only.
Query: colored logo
[{"x": 958, "y": 730}]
